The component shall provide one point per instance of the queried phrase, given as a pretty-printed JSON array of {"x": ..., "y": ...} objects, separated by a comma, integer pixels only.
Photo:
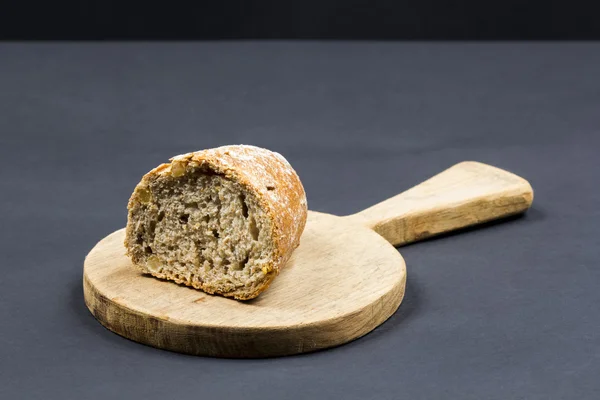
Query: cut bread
[{"x": 222, "y": 220}]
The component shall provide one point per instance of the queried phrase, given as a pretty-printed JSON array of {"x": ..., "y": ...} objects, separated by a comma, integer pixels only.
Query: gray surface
[{"x": 506, "y": 311}]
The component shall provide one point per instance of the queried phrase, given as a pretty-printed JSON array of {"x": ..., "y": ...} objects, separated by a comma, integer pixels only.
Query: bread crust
[{"x": 264, "y": 173}]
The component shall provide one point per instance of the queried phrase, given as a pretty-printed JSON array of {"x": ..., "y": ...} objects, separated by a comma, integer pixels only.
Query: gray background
[{"x": 506, "y": 311}]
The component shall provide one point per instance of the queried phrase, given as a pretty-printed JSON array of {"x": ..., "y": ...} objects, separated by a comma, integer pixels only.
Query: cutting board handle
[{"x": 465, "y": 194}]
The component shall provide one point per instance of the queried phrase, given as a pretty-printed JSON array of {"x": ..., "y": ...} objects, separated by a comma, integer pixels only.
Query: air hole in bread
[
  {"x": 254, "y": 232},
  {"x": 244, "y": 206}
]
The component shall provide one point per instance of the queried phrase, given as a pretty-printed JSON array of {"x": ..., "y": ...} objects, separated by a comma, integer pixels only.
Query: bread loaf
[{"x": 222, "y": 220}]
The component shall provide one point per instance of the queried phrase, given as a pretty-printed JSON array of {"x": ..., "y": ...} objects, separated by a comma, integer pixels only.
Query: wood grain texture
[
  {"x": 342, "y": 282},
  {"x": 466, "y": 194}
]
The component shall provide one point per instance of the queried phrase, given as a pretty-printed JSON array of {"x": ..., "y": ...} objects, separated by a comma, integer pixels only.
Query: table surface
[{"x": 507, "y": 311}]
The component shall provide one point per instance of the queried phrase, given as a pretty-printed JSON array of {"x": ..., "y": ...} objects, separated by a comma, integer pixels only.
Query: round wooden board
[{"x": 342, "y": 282}]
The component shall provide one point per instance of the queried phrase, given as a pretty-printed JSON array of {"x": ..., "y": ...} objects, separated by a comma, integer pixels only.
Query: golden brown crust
[{"x": 269, "y": 177}]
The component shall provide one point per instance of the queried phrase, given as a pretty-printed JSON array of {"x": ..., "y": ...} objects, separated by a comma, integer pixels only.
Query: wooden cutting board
[{"x": 344, "y": 280}]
